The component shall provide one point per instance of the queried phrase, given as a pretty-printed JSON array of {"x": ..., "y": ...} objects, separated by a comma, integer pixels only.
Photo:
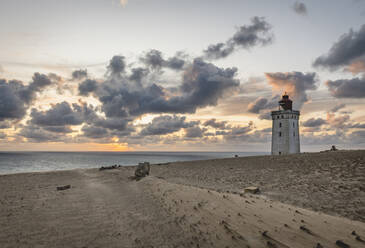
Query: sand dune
[{"x": 175, "y": 207}]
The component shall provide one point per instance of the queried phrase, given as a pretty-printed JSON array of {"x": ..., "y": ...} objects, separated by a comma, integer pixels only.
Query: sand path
[{"x": 100, "y": 210}]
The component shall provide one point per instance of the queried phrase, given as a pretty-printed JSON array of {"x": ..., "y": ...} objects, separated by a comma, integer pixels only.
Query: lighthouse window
[
  {"x": 278, "y": 117},
  {"x": 279, "y": 124},
  {"x": 293, "y": 133},
  {"x": 279, "y": 134},
  {"x": 282, "y": 117},
  {"x": 293, "y": 124}
]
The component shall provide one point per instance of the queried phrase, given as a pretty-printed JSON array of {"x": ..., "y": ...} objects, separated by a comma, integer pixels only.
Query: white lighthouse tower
[{"x": 285, "y": 128}]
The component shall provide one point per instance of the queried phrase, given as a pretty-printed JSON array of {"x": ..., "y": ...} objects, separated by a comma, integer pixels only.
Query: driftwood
[
  {"x": 64, "y": 187},
  {"x": 109, "y": 167}
]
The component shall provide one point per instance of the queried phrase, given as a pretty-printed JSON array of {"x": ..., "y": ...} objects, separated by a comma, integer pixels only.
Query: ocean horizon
[{"x": 12, "y": 162}]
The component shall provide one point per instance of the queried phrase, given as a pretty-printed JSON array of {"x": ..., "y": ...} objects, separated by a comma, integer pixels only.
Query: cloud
[
  {"x": 94, "y": 132},
  {"x": 216, "y": 124},
  {"x": 347, "y": 88},
  {"x": 202, "y": 85},
  {"x": 87, "y": 86},
  {"x": 265, "y": 116},
  {"x": 5, "y": 124},
  {"x": 357, "y": 137},
  {"x": 37, "y": 134},
  {"x": 15, "y": 97},
  {"x": 154, "y": 59},
  {"x": 60, "y": 114},
  {"x": 337, "y": 122},
  {"x": 348, "y": 51},
  {"x": 357, "y": 125},
  {"x": 79, "y": 74},
  {"x": 338, "y": 107},
  {"x": 300, "y": 8},
  {"x": 237, "y": 133},
  {"x": 312, "y": 122},
  {"x": 116, "y": 65},
  {"x": 263, "y": 103},
  {"x": 246, "y": 37},
  {"x": 2, "y": 135},
  {"x": 58, "y": 129},
  {"x": 296, "y": 84},
  {"x": 194, "y": 132},
  {"x": 357, "y": 66},
  {"x": 57, "y": 121},
  {"x": 166, "y": 124},
  {"x": 256, "y": 106}
]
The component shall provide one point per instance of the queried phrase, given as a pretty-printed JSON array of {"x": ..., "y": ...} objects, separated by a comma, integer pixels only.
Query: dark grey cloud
[
  {"x": 296, "y": 84},
  {"x": 38, "y": 134},
  {"x": 60, "y": 114},
  {"x": 256, "y": 106},
  {"x": 237, "y": 133},
  {"x": 219, "y": 50},
  {"x": 216, "y": 124},
  {"x": 58, "y": 129},
  {"x": 57, "y": 121},
  {"x": 203, "y": 84},
  {"x": 116, "y": 124},
  {"x": 300, "y": 8},
  {"x": 138, "y": 74},
  {"x": 347, "y": 88},
  {"x": 349, "y": 49},
  {"x": 87, "y": 86},
  {"x": 313, "y": 122},
  {"x": 155, "y": 60},
  {"x": 117, "y": 65},
  {"x": 79, "y": 74},
  {"x": 166, "y": 124},
  {"x": 246, "y": 37},
  {"x": 15, "y": 97},
  {"x": 262, "y": 104},
  {"x": 40, "y": 81},
  {"x": 12, "y": 104},
  {"x": 94, "y": 132},
  {"x": 194, "y": 132}
]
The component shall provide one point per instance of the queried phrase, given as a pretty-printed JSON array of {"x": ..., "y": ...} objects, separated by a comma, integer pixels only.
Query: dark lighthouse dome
[{"x": 285, "y": 103}]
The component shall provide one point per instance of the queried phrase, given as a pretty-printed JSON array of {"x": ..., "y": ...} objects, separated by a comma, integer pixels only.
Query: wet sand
[{"x": 187, "y": 204}]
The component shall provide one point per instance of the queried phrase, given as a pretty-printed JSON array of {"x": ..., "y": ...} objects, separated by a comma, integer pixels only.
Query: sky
[{"x": 169, "y": 75}]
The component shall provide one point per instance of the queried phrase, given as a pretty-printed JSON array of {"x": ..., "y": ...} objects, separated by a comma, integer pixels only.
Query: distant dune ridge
[{"x": 306, "y": 200}]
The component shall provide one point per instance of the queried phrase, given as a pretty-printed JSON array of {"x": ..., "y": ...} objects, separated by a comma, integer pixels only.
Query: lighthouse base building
[{"x": 285, "y": 129}]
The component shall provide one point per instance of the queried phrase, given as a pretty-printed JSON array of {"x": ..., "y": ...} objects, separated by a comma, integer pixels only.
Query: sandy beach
[{"x": 306, "y": 200}]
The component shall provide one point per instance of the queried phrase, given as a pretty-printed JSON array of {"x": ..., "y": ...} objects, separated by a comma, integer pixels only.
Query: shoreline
[
  {"x": 155, "y": 164},
  {"x": 131, "y": 153}
]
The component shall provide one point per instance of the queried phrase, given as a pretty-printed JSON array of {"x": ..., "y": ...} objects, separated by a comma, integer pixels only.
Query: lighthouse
[{"x": 285, "y": 128}]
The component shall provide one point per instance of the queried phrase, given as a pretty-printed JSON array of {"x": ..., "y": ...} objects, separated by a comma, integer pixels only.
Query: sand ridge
[{"x": 329, "y": 182}]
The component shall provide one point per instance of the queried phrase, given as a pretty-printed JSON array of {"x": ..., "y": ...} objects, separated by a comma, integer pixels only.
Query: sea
[{"x": 19, "y": 162}]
